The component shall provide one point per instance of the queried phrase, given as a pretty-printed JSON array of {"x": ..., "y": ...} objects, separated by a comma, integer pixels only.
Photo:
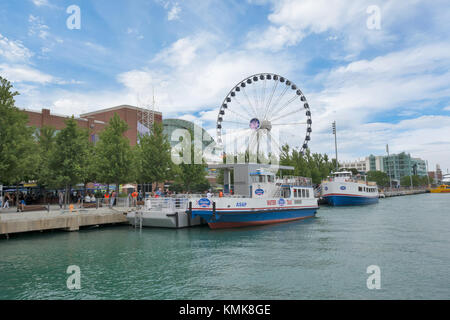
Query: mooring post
[{"x": 189, "y": 214}]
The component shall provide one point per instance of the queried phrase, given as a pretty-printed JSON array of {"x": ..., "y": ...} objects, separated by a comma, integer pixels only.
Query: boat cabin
[{"x": 262, "y": 183}]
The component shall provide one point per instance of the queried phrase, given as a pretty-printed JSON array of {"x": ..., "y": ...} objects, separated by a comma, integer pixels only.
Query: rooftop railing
[{"x": 294, "y": 181}]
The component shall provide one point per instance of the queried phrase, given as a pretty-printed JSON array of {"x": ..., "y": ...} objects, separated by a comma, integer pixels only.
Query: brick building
[{"x": 96, "y": 121}]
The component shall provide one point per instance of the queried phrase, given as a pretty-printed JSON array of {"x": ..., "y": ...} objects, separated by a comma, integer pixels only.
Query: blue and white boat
[
  {"x": 341, "y": 189},
  {"x": 260, "y": 198}
]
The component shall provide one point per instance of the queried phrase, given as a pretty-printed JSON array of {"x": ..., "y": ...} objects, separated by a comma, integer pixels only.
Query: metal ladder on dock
[{"x": 138, "y": 219}]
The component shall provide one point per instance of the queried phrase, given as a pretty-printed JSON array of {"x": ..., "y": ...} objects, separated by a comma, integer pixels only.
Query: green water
[{"x": 321, "y": 258}]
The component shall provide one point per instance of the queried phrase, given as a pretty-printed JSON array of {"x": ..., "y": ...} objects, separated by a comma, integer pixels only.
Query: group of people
[
  {"x": 10, "y": 200},
  {"x": 110, "y": 198}
]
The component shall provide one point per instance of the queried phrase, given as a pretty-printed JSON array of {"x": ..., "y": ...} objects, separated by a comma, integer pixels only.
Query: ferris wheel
[{"x": 261, "y": 114}]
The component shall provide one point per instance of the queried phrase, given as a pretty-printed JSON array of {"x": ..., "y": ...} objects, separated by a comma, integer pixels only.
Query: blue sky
[{"x": 386, "y": 85}]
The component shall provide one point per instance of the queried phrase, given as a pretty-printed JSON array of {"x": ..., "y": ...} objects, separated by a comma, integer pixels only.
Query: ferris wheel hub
[{"x": 266, "y": 125}]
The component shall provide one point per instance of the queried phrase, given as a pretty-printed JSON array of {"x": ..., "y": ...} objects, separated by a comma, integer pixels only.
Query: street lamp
[
  {"x": 335, "y": 144},
  {"x": 389, "y": 169},
  {"x": 410, "y": 173}
]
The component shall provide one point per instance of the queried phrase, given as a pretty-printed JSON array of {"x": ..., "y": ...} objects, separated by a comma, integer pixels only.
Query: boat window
[
  {"x": 307, "y": 193},
  {"x": 262, "y": 178},
  {"x": 270, "y": 178},
  {"x": 286, "y": 192},
  {"x": 303, "y": 193},
  {"x": 295, "y": 193},
  {"x": 359, "y": 188}
]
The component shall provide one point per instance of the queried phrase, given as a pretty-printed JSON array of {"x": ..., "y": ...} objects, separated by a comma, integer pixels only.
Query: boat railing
[
  {"x": 369, "y": 183},
  {"x": 166, "y": 204},
  {"x": 294, "y": 181}
]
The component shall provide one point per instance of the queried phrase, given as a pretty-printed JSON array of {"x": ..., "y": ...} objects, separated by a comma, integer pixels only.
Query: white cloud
[
  {"x": 24, "y": 73},
  {"x": 403, "y": 83},
  {"x": 274, "y": 38},
  {"x": 37, "y": 27},
  {"x": 40, "y": 3},
  {"x": 135, "y": 32},
  {"x": 292, "y": 20},
  {"x": 19, "y": 74},
  {"x": 447, "y": 108},
  {"x": 174, "y": 12},
  {"x": 183, "y": 51},
  {"x": 13, "y": 50},
  {"x": 364, "y": 89},
  {"x": 195, "y": 74}
]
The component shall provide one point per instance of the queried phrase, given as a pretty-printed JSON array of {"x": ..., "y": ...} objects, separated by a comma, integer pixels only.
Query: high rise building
[{"x": 396, "y": 166}]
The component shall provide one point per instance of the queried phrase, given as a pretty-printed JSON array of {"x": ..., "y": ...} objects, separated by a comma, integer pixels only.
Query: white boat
[
  {"x": 259, "y": 198},
  {"x": 342, "y": 189}
]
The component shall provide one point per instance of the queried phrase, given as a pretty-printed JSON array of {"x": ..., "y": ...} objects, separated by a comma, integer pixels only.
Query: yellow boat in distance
[{"x": 441, "y": 189}]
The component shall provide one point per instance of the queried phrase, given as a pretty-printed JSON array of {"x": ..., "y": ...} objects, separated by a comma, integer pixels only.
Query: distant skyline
[{"x": 380, "y": 69}]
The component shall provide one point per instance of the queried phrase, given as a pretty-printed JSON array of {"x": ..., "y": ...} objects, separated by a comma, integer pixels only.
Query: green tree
[
  {"x": 91, "y": 173},
  {"x": 70, "y": 156},
  {"x": 416, "y": 181},
  {"x": 114, "y": 155},
  {"x": 313, "y": 165},
  {"x": 381, "y": 178},
  {"x": 17, "y": 143},
  {"x": 153, "y": 157},
  {"x": 46, "y": 143},
  {"x": 192, "y": 175}
]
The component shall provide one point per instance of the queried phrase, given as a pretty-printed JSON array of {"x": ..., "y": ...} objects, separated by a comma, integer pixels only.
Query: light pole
[
  {"x": 335, "y": 144},
  {"x": 410, "y": 173},
  {"x": 389, "y": 169}
]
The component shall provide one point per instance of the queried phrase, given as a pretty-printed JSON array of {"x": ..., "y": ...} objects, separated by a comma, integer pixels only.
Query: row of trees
[
  {"x": 57, "y": 159},
  {"x": 313, "y": 165}
]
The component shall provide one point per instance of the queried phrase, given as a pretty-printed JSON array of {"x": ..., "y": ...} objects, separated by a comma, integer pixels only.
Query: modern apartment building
[{"x": 396, "y": 166}]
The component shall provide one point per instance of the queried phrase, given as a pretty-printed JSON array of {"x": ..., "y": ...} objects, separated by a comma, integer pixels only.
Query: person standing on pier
[
  {"x": 6, "y": 201},
  {"x": 113, "y": 198},
  {"x": 79, "y": 198},
  {"x": 134, "y": 195},
  {"x": 107, "y": 198},
  {"x": 61, "y": 199}
]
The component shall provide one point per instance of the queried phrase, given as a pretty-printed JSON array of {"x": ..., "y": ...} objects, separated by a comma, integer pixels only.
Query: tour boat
[
  {"x": 259, "y": 198},
  {"x": 441, "y": 189},
  {"x": 341, "y": 189}
]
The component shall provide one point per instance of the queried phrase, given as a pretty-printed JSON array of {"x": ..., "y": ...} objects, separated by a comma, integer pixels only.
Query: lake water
[{"x": 325, "y": 257}]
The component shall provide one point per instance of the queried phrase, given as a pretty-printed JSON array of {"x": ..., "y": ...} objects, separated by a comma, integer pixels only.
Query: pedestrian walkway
[{"x": 16, "y": 222}]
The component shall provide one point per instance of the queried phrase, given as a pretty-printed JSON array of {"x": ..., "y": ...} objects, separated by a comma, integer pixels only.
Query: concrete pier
[
  {"x": 397, "y": 193},
  {"x": 64, "y": 220}
]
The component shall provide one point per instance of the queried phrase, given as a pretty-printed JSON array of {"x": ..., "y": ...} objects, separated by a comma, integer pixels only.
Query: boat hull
[
  {"x": 236, "y": 219},
  {"x": 348, "y": 200}
]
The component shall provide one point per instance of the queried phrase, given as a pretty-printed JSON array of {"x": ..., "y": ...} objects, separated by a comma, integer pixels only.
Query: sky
[{"x": 379, "y": 68}]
